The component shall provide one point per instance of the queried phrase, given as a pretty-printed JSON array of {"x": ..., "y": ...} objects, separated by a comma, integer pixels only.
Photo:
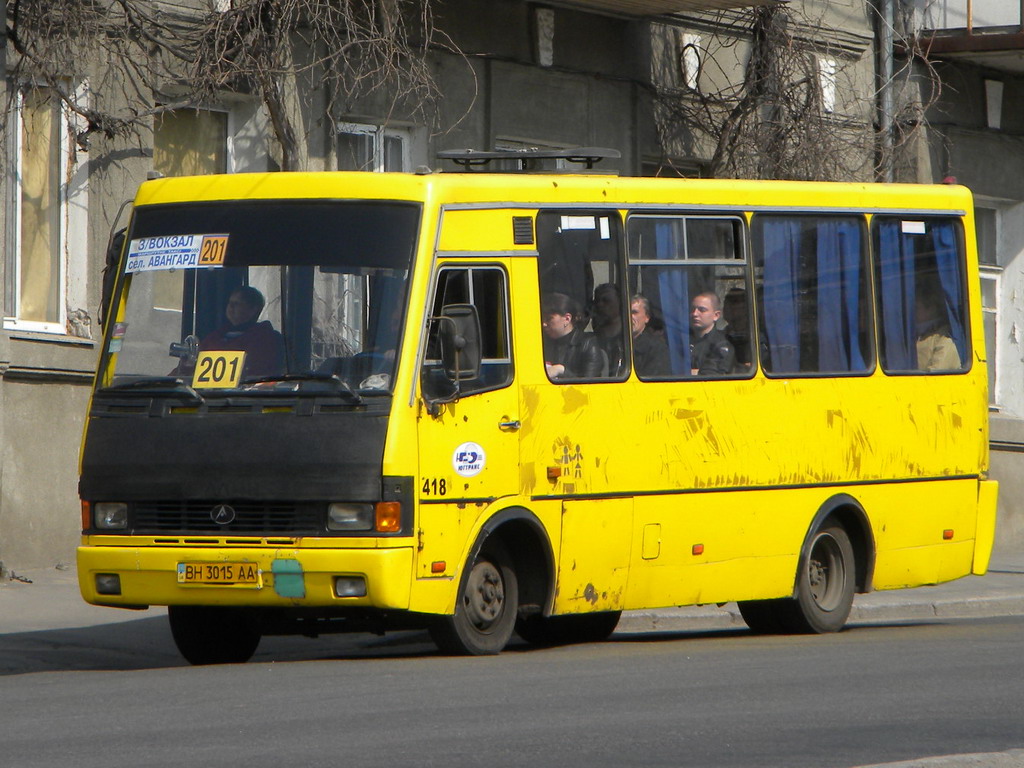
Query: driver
[{"x": 244, "y": 332}]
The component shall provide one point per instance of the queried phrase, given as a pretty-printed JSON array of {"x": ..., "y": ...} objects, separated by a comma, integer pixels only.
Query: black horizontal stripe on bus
[
  {"x": 459, "y": 500},
  {"x": 741, "y": 488}
]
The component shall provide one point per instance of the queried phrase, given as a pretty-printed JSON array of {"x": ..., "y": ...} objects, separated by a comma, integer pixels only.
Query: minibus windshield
[{"x": 262, "y": 297}]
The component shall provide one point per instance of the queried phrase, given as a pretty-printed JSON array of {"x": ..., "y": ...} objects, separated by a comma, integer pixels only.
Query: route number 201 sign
[{"x": 218, "y": 369}]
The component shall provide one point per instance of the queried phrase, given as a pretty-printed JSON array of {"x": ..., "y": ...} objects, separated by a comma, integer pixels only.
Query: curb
[{"x": 703, "y": 618}]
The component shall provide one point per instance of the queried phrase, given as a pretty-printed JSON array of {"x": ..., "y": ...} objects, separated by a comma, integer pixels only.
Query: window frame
[
  {"x": 378, "y": 134},
  {"x": 993, "y": 274},
  {"x": 12, "y": 320},
  {"x": 967, "y": 363},
  {"x": 867, "y": 301},
  {"x": 615, "y": 235},
  {"x": 742, "y": 263},
  {"x": 469, "y": 268}
]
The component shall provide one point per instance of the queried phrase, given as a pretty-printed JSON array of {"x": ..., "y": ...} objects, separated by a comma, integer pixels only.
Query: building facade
[{"x": 655, "y": 79}]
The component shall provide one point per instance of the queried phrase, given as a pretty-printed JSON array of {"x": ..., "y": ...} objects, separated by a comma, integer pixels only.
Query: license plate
[{"x": 243, "y": 574}]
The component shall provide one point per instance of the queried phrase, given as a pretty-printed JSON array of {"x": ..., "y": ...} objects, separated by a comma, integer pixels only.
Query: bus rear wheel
[
  {"x": 824, "y": 590},
  {"x": 485, "y": 611},
  {"x": 564, "y": 630},
  {"x": 213, "y": 635}
]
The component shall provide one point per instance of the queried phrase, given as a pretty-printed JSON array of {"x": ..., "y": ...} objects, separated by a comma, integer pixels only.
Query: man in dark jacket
[
  {"x": 650, "y": 352},
  {"x": 711, "y": 354},
  {"x": 569, "y": 353}
]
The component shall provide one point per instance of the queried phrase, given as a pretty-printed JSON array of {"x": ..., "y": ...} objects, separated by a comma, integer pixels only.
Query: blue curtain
[
  {"x": 896, "y": 268},
  {"x": 947, "y": 260},
  {"x": 839, "y": 300},
  {"x": 781, "y": 312},
  {"x": 675, "y": 301}
]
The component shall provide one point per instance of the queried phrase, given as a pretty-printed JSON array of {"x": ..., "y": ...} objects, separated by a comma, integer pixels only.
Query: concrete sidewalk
[
  {"x": 998, "y": 593},
  {"x": 42, "y": 599}
]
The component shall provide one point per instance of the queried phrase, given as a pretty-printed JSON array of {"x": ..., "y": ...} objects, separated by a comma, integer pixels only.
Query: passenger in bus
[
  {"x": 569, "y": 353},
  {"x": 263, "y": 346},
  {"x": 737, "y": 329},
  {"x": 711, "y": 353},
  {"x": 935, "y": 348},
  {"x": 607, "y": 323},
  {"x": 650, "y": 350}
]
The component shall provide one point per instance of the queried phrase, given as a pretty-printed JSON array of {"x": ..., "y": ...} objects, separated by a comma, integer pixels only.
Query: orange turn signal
[
  {"x": 388, "y": 516},
  {"x": 554, "y": 473},
  {"x": 947, "y": 535},
  {"x": 698, "y": 549},
  {"x": 86, "y": 515}
]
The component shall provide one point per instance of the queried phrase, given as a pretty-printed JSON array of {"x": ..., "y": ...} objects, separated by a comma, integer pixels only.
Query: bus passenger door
[{"x": 469, "y": 440}]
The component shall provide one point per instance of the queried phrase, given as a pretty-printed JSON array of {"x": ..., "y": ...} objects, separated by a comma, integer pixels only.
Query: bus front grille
[{"x": 254, "y": 517}]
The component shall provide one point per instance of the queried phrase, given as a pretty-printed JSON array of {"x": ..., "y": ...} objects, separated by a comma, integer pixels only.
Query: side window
[
  {"x": 690, "y": 308},
  {"x": 919, "y": 269},
  {"x": 485, "y": 288},
  {"x": 584, "y": 312},
  {"x": 812, "y": 289}
]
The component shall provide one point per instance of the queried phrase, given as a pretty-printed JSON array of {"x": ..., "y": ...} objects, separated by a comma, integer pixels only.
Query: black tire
[
  {"x": 213, "y": 635},
  {"x": 564, "y": 630},
  {"x": 485, "y": 611},
  {"x": 824, "y": 587},
  {"x": 761, "y": 616},
  {"x": 824, "y": 590}
]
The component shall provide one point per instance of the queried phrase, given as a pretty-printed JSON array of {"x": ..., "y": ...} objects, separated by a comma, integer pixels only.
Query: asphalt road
[{"x": 118, "y": 695}]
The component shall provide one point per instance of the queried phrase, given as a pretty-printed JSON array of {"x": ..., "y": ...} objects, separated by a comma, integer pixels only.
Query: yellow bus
[{"x": 491, "y": 403}]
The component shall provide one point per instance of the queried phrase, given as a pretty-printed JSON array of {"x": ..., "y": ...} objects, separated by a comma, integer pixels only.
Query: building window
[
  {"x": 364, "y": 147},
  {"x": 989, "y": 304},
  {"x": 994, "y": 103},
  {"x": 690, "y": 60},
  {"x": 190, "y": 142},
  {"x": 545, "y": 21},
  {"x": 36, "y": 282},
  {"x": 986, "y": 224},
  {"x": 827, "y": 83}
]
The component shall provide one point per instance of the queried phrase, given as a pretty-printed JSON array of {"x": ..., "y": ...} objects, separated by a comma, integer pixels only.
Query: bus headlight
[
  {"x": 110, "y": 515},
  {"x": 350, "y": 517}
]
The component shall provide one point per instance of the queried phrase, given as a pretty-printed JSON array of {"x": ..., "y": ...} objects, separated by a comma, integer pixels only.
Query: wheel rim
[
  {"x": 484, "y": 600},
  {"x": 826, "y": 572}
]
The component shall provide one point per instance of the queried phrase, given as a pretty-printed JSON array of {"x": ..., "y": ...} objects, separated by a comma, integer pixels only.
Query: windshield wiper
[
  {"x": 158, "y": 385},
  {"x": 339, "y": 385}
]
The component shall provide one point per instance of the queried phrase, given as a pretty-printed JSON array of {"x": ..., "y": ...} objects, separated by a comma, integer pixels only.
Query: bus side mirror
[
  {"x": 455, "y": 339},
  {"x": 459, "y": 331}
]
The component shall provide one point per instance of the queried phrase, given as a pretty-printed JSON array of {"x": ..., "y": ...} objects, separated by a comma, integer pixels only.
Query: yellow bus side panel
[
  {"x": 481, "y": 230},
  {"x": 592, "y": 574}
]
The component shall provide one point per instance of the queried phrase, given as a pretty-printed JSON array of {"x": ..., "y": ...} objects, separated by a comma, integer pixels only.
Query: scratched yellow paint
[{"x": 650, "y": 494}]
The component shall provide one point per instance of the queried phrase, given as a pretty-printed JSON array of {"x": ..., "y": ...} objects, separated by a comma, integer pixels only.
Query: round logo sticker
[{"x": 469, "y": 459}]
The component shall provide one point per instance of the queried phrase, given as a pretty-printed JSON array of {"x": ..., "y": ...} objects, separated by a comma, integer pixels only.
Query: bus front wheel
[
  {"x": 485, "y": 611},
  {"x": 213, "y": 635}
]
